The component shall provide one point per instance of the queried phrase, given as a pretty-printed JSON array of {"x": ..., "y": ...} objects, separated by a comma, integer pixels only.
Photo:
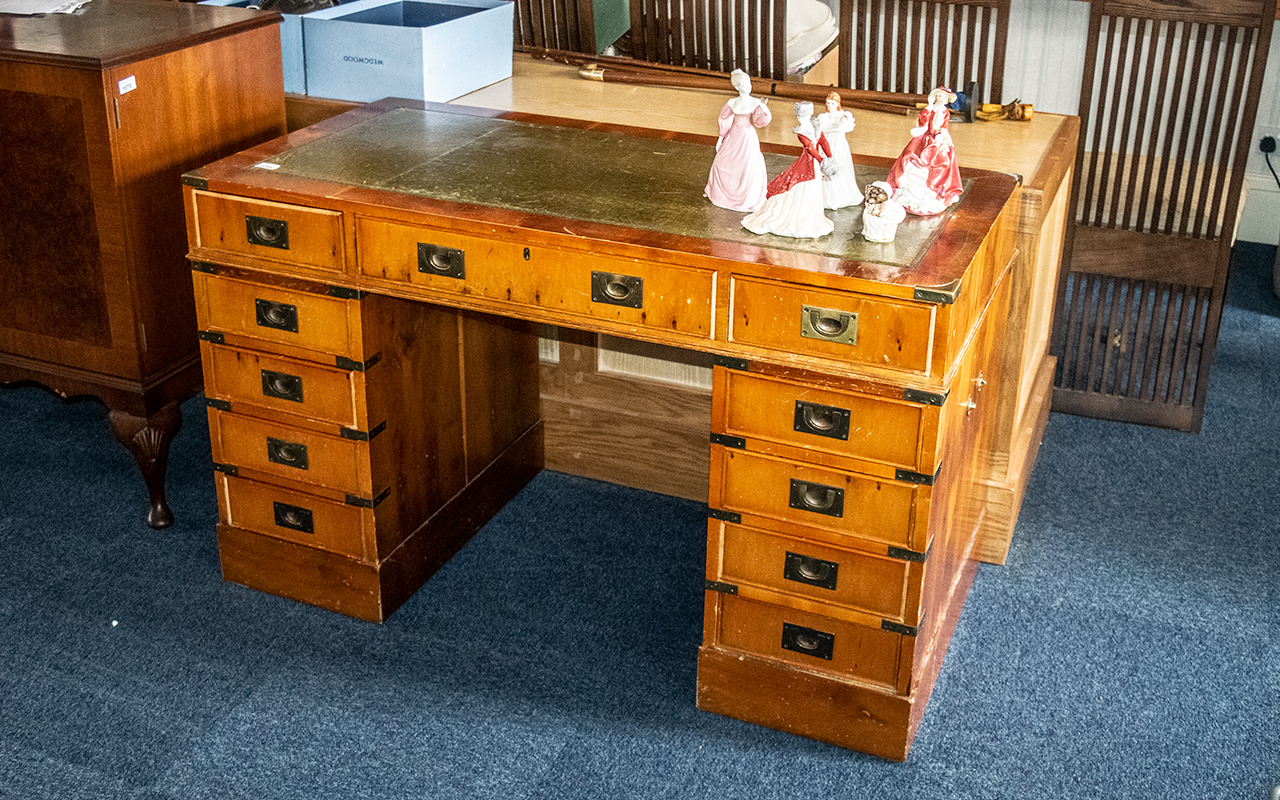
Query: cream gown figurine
[
  {"x": 881, "y": 214},
  {"x": 738, "y": 177},
  {"x": 925, "y": 178},
  {"x": 793, "y": 202},
  {"x": 839, "y": 190}
]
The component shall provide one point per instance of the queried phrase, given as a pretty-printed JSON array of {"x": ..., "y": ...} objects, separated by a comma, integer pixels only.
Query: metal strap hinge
[
  {"x": 902, "y": 554},
  {"x": 218, "y": 403},
  {"x": 729, "y": 362},
  {"x": 722, "y": 588},
  {"x": 195, "y": 180},
  {"x": 898, "y": 627},
  {"x": 927, "y": 398},
  {"x": 724, "y": 516},
  {"x": 364, "y": 502},
  {"x": 345, "y": 293},
  {"x": 204, "y": 266},
  {"x": 230, "y": 469},
  {"x": 211, "y": 336},
  {"x": 736, "y": 442},
  {"x": 361, "y": 436},
  {"x": 350, "y": 364},
  {"x": 907, "y": 476}
]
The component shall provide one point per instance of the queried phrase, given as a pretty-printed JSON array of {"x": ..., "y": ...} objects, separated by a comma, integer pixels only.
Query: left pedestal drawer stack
[{"x": 357, "y": 439}]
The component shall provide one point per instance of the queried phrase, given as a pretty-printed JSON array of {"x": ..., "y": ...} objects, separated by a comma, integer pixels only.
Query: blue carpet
[{"x": 1128, "y": 649}]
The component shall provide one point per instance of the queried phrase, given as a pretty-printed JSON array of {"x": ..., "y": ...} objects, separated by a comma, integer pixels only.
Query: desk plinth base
[
  {"x": 822, "y": 707},
  {"x": 372, "y": 591}
]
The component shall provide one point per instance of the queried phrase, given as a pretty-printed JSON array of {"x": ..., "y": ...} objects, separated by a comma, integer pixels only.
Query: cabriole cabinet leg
[{"x": 148, "y": 438}]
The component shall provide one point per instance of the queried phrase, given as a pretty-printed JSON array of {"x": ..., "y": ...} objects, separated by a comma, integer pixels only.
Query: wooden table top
[
  {"x": 554, "y": 89},
  {"x": 109, "y": 33}
]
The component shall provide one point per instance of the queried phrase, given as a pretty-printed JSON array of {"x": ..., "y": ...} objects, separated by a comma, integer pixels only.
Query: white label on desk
[
  {"x": 266, "y": 165},
  {"x": 128, "y": 84}
]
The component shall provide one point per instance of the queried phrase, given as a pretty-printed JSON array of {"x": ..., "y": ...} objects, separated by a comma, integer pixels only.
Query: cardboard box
[
  {"x": 291, "y": 54},
  {"x": 370, "y": 49}
]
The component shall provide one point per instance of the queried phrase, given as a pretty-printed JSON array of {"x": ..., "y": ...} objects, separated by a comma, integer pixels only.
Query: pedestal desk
[
  {"x": 100, "y": 114},
  {"x": 368, "y": 291}
]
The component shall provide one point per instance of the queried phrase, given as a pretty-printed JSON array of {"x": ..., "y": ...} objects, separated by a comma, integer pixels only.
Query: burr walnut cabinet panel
[
  {"x": 101, "y": 112},
  {"x": 373, "y": 390}
]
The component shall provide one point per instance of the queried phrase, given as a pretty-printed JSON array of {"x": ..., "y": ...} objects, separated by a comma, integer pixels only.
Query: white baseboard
[{"x": 1260, "y": 217}]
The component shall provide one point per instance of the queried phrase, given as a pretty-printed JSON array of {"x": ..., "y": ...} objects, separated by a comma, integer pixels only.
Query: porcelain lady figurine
[
  {"x": 881, "y": 214},
  {"x": 793, "y": 202},
  {"x": 841, "y": 189},
  {"x": 738, "y": 178},
  {"x": 925, "y": 178}
]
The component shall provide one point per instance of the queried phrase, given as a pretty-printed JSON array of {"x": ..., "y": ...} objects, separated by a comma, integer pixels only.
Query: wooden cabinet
[
  {"x": 372, "y": 377},
  {"x": 100, "y": 113}
]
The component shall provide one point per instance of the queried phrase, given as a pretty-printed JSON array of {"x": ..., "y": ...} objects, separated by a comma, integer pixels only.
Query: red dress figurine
[
  {"x": 925, "y": 178},
  {"x": 793, "y": 201}
]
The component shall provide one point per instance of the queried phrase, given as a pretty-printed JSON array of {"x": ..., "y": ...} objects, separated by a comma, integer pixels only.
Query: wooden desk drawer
[
  {"x": 293, "y": 454},
  {"x": 782, "y": 493},
  {"x": 296, "y": 517},
  {"x": 328, "y": 326},
  {"x": 813, "y": 575},
  {"x": 865, "y": 653},
  {"x": 877, "y": 430},
  {"x": 304, "y": 237},
  {"x": 678, "y": 300},
  {"x": 252, "y": 381},
  {"x": 860, "y": 329}
]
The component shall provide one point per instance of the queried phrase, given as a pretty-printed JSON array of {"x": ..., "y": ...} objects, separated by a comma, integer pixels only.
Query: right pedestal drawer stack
[{"x": 842, "y": 519}]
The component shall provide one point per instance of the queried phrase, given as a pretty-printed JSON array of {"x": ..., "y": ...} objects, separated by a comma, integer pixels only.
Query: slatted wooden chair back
[
  {"x": 915, "y": 46},
  {"x": 719, "y": 35},
  {"x": 556, "y": 25},
  {"x": 1167, "y": 109}
]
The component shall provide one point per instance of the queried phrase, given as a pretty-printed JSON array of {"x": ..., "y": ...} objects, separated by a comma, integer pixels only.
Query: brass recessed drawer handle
[
  {"x": 809, "y": 570},
  {"x": 815, "y": 497},
  {"x": 434, "y": 259},
  {"x": 820, "y": 420},
  {"x": 280, "y": 316},
  {"x": 808, "y": 641},
  {"x": 267, "y": 232},
  {"x": 282, "y": 386},
  {"x": 617, "y": 290},
  {"x": 294, "y": 518},
  {"x": 289, "y": 454},
  {"x": 829, "y": 324}
]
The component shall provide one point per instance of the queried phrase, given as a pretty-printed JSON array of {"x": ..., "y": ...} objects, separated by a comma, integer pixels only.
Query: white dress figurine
[
  {"x": 738, "y": 177},
  {"x": 839, "y": 190},
  {"x": 793, "y": 205},
  {"x": 881, "y": 215}
]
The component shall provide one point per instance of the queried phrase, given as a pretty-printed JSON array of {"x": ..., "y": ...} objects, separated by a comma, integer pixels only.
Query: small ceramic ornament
[
  {"x": 738, "y": 178},
  {"x": 793, "y": 202},
  {"x": 881, "y": 214},
  {"x": 841, "y": 189},
  {"x": 925, "y": 178}
]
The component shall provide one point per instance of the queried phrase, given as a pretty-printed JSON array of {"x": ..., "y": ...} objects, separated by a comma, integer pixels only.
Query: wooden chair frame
[
  {"x": 914, "y": 46},
  {"x": 1167, "y": 109},
  {"x": 719, "y": 35},
  {"x": 556, "y": 25}
]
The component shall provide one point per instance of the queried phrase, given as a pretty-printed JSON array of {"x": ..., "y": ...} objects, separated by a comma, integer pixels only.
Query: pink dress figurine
[
  {"x": 925, "y": 178},
  {"x": 738, "y": 178},
  {"x": 793, "y": 203}
]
